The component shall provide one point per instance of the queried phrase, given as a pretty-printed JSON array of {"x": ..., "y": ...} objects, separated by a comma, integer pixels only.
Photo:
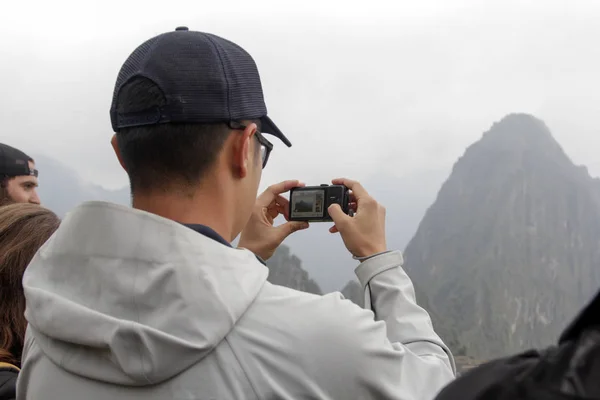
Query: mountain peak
[
  {"x": 509, "y": 250},
  {"x": 521, "y": 131},
  {"x": 515, "y": 142},
  {"x": 521, "y": 118}
]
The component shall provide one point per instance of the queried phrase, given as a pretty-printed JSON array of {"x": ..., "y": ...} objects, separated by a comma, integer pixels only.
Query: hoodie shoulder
[{"x": 150, "y": 296}]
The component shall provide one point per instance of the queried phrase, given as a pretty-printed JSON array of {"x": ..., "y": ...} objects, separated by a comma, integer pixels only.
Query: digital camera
[{"x": 311, "y": 203}]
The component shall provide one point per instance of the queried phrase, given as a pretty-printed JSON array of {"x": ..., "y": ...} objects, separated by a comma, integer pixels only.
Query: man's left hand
[{"x": 259, "y": 234}]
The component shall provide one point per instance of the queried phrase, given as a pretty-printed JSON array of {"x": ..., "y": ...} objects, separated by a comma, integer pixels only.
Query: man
[
  {"x": 18, "y": 177},
  {"x": 152, "y": 302}
]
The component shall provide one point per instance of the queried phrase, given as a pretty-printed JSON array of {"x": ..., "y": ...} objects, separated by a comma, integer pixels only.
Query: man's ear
[
  {"x": 242, "y": 154},
  {"x": 115, "y": 146}
]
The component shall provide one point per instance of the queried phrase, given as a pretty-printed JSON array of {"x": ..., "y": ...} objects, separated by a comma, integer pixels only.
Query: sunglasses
[{"x": 265, "y": 146}]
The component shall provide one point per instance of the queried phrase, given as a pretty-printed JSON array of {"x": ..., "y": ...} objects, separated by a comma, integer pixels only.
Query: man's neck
[{"x": 201, "y": 208}]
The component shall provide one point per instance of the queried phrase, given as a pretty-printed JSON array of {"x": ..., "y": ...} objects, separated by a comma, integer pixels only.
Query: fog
[{"x": 361, "y": 89}]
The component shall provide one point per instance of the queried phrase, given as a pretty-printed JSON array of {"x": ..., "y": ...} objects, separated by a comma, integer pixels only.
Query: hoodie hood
[{"x": 127, "y": 297}]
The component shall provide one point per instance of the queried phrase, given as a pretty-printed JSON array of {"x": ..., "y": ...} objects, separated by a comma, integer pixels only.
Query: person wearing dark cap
[
  {"x": 153, "y": 302},
  {"x": 18, "y": 177}
]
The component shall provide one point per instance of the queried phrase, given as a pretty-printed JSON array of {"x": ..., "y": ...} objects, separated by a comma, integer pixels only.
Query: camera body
[{"x": 310, "y": 203}]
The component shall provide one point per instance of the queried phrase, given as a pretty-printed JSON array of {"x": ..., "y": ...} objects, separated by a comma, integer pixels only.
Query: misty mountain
[
  {"x": 352, "y": 291},
  {"x": 285, "y": 269},
  {"x": 509, "y": 251},
  {"x": 61, "y": 188}
]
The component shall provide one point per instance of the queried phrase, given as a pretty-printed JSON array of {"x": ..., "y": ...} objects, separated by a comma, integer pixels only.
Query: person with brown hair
[{"x": 24, "y": 228}]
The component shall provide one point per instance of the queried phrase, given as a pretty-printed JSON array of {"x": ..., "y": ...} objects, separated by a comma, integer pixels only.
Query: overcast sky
[{"x": 361, "y": 88}]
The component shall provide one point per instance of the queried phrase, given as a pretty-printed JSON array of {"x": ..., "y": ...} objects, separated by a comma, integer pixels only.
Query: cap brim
[{"x": 268, "y": 126}]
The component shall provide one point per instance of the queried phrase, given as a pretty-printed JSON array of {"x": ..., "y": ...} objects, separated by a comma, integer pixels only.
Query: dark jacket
[
  {"x": 8, "y": 381},
  {"x": 569, "y": 370}
]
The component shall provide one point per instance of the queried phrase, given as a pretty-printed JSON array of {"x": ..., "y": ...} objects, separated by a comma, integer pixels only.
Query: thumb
[
  {"x": 337, "y": 215},
  {"x": 286, "y": 229}
]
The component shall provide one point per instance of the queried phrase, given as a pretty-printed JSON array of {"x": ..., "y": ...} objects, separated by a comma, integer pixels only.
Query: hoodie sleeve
[
  {"x": 388, "y": 350},
  {"x": 390, "y": 294}
]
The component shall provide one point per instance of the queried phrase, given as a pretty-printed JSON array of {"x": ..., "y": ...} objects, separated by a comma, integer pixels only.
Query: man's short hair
[{"x": 165, "y": 156}]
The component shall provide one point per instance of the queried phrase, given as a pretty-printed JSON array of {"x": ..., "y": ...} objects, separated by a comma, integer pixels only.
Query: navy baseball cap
[
  {"x": 203, "y": 77},
  {"x": 14, "y": 162}
]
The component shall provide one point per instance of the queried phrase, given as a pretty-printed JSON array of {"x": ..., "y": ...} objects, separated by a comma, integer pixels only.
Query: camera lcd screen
[{"x": 307, "y": 203}]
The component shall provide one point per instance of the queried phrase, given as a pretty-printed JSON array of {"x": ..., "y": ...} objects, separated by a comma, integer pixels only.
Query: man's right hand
[{"x": 364, "y": 233}]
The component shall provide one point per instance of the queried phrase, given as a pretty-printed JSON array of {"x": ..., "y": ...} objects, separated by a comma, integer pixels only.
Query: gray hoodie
[{"x": 123, "y": 304}]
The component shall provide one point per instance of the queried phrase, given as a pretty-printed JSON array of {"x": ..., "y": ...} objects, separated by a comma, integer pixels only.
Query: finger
[
  {"x": 285, "y": 211},
  {"x": 284, "y": 230},
  {"x": 337, "y": 215},
  {"x": 283, "y": 206},
  {"x": 352, "y": 206},
  {"x": 279, "y": 201},
  {"x": 282, "y": 200},
  {"x": 284, "y": 186},
  {"x": 275, "y": 209},
  {"x": 357, "y": 189},
  {"x": 333, "y": 229},
  {"x": 275, "y": 190},
  {"x": 352, "y": 197},
  {"x": 272, "y": 212},
  {"x": 281, "y": 210}
]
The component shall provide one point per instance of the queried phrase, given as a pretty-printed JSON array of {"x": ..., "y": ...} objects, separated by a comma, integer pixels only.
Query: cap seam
[
  {"x": 224, "y": 73},
  {"x": 148, "y": 53},
  {"x": 145, "y": 111},
  {"x": 138, "y": 72},
  {"x": 142, "y": 66}
]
